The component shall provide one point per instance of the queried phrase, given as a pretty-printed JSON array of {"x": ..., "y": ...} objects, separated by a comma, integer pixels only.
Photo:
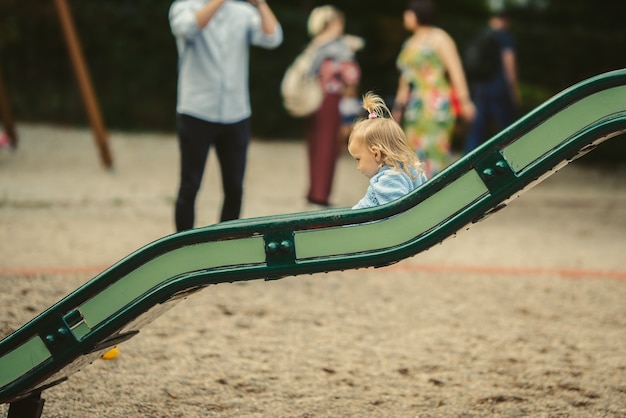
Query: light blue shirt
[
  {"x": 388, "y": 185},
  {"x": 213, "y": 61}
]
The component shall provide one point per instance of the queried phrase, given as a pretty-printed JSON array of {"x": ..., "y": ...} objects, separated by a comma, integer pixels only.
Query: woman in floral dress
[{"x": 430, "y": 70}]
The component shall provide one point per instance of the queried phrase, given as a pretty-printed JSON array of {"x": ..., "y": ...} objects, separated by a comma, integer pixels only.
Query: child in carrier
[{"x": 378, "y": 144}]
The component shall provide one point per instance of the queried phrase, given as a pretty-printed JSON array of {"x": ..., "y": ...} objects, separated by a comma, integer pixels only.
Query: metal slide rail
[{"x": 115, "y": 304}]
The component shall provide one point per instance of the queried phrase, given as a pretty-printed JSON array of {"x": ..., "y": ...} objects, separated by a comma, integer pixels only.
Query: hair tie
[{"x": 372, "y": 116}]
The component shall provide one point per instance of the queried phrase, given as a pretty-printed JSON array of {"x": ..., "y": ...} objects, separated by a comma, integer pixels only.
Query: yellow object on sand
[{"x": 111, "y": 354}]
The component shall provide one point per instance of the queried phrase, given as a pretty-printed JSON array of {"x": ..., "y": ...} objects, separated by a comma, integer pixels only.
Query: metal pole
[{"x": 84, "y": 81}]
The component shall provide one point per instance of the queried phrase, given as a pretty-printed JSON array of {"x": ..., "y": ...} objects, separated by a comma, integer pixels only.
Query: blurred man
[
  {"x": 213, "y": 106},
  {"x": 493, "y": 86}
]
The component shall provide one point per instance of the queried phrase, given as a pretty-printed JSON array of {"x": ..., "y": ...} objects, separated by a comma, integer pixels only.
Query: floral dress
[{"x": 428, "y": 117}]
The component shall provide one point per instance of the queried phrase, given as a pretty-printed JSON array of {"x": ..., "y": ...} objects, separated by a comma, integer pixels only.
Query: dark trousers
[
  {"x": 195, "y": 138},
  {"x": 495, "y": 110},
  {"x": 322, "y": 143}
]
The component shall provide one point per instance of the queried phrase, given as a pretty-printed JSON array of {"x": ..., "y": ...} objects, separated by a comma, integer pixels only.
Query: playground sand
[{"x": 522, "y": 315}]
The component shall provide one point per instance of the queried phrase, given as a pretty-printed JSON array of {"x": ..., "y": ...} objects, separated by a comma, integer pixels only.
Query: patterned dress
[{"x": 428, "y": 117}]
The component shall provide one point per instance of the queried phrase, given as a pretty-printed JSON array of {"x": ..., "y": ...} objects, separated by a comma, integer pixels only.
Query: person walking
[
  {"x": 339, "y": 74},
  {"x": 493, "y": 80},
  {"x": 213, "y": 38},
  {"x": 430, "y": 70}
]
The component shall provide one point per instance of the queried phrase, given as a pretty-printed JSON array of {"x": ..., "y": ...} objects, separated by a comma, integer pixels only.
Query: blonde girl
[{"x": 379, "y": 146}]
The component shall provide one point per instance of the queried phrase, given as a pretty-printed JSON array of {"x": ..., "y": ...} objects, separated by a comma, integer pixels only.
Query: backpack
[
  {"x": 300, "y": 88},
  {"x": 482, "y": 59}
]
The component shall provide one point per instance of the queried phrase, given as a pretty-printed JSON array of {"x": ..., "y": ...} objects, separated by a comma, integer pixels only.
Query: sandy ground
[{"x": 524, "y": 315}]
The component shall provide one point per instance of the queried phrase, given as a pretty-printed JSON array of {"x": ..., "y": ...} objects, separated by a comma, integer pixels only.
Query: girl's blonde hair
[
  {"x": 320, "y": 17},
  {"x": 379, "y": 129}
]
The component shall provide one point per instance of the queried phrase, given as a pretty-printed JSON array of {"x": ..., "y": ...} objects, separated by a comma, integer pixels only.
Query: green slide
[{"x": 115, "y": 304}]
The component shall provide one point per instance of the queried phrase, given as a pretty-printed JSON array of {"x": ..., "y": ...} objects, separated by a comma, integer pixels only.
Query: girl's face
[{"x": 367, "y": 159}]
